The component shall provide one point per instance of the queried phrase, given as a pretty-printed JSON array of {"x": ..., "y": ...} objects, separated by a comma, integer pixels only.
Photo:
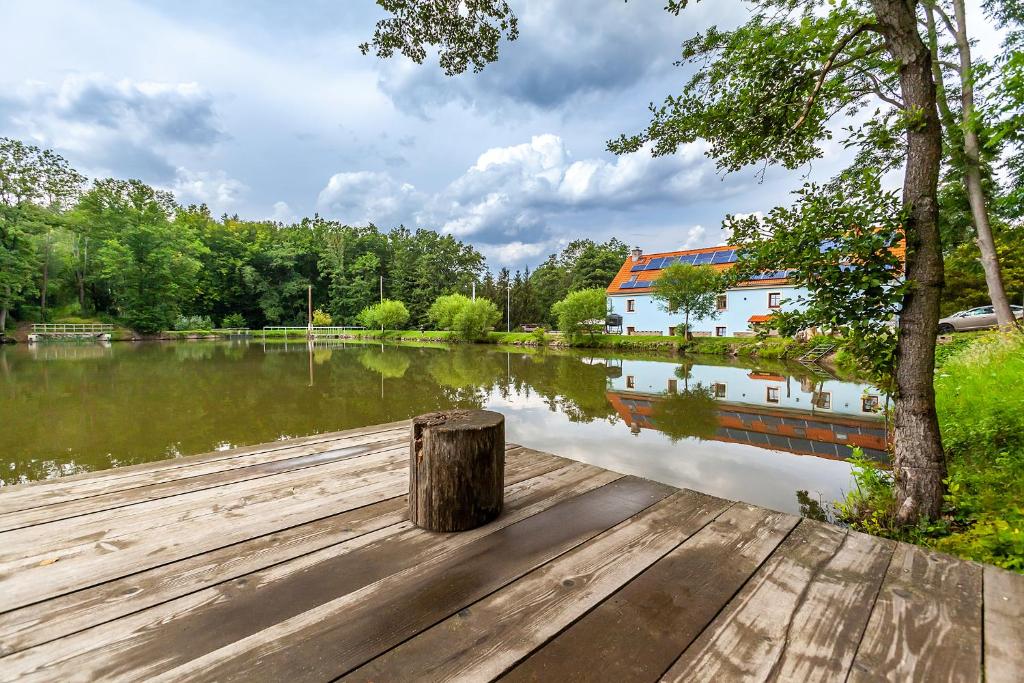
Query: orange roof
[
  {"x": 759, "y": 319},
  {"x": 767, "y": 376},
  {"x": 625, "y": 272}
]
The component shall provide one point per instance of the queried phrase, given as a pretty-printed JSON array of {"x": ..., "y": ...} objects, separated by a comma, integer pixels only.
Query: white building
[{"x": 630, "y": 295}]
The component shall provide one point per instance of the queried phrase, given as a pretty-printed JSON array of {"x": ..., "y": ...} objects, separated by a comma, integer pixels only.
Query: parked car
[{"x": 980, "y": 318}]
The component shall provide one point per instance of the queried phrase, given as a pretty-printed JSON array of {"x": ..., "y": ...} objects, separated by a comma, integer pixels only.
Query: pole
[
  {"x": 382, "y": 301},
  {"x": 508, "y": 308},
  {"x": 309, "y": 330},
  {"x": 474, "y": 290}
]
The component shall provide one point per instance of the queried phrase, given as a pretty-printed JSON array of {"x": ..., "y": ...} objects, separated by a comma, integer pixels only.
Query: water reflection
[{"x": 766, "y": 434}]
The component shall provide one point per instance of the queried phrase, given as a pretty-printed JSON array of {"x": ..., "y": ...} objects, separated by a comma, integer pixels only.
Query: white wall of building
[{"x": 649, "y": 314}]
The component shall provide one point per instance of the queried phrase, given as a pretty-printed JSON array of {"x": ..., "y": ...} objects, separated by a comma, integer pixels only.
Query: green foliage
[
  {"x": 690, "y": 289},
  {"x": 388, "y": 315},
  {"x": 234, "y": 321},
  {"x": 539, "y": 335},
  {"x": 475, "y": 319},
  {"x": 461, "y": 33},
  {"x": 582, "y": 264},
  {"x": 852, "y": 275},
  {"x": 445, "y": 309},
  {"x": 193, "y": 323},
  {"x": 688, "y": 413},
  {"x": 322, "y": 318},
  {"x": 980, "y": 405},
  {"x": 577, "y": 308}
]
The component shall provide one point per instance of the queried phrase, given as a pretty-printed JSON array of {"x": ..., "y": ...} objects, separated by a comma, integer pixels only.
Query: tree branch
[
  {"x": 829, "y": 63},
  {"x": 879, "y": 91}
]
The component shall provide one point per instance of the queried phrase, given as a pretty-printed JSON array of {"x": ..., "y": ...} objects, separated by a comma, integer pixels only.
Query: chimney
[{"x": 635, "y": 254}]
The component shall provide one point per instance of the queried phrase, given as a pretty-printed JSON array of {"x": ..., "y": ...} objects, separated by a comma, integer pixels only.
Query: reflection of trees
[
  {"x": 811, "y": 508},
  {"x": 567, "y": 384},
  {"x": 390, "y": 363},
  {"x": 691, "y": 412},
  {"x": 465, "y": 367}
]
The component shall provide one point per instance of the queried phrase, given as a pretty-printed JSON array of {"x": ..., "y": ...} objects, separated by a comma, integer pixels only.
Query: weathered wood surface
[
  {"x": 298, "y": 561},
  {"x": 456, "y": 469}
]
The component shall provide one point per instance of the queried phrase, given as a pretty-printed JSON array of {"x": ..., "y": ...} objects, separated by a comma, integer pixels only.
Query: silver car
[{"x": 980, "y": 318}]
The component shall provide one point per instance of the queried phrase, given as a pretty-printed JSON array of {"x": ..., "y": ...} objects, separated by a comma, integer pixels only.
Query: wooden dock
[{"x": 294, "y": 561}]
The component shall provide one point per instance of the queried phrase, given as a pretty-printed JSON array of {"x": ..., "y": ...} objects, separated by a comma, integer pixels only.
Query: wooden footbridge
[
  {"x": 42, "y": 331},
  {"x": 295, "y": 561}
]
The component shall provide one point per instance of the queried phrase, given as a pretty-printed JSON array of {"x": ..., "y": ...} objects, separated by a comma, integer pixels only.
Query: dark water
[{"x": 759, "y": 432}]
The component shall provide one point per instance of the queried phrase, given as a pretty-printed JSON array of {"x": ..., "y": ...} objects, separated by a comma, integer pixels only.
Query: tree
[
  {"x": 693, "y": 290},
  {"x": 577, "y": 308},
  {"x": 965, "y": 140},
  {"x": 767, "y": 92},
  {"x": 475, "y": 319},
  {"x": 148, "y": 262},
  {"x": 387, "y": 315},
  {"x": 445, "y": 308},
  {"x": 17, "y": 257},
  {"x": 322, "y": 318}
]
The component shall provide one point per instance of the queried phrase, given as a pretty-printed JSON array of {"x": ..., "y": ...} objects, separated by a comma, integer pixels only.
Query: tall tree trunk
[
  {"x": 46, "y": 276},
  {"x": 919, "y": 462},
  {"x": 972, "y": 173}
]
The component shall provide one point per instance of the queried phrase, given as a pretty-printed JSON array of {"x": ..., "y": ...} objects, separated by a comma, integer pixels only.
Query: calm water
[{"x": 760, "y": 432}]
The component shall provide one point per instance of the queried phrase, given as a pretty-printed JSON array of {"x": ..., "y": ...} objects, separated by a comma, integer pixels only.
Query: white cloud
[
  {"x": 361, "y": 197},
  {"x": 283, "y": 213},
  {"x": 215, "y": 189}
]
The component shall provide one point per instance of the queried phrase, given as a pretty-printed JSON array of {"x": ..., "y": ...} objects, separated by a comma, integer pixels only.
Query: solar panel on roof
[
  {"x": 704, "y": 259},
  {"x": 687, "y": 259},
  {"x": 668, "y": 261},
  {"x": 642, "y": 283},
  {"x": 655, "y": 264},
  {"x": 727, "y": 256},
  {"x": 638, "y": 267}
]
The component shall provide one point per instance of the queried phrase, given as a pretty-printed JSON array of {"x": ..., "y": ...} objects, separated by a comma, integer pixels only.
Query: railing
[
  {"x": 336, "y": 329},
  {"x": 71, "y": 328}
]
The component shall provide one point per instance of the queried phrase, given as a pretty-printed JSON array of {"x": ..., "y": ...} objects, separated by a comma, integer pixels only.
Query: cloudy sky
[{"x": 268, "y": 110}]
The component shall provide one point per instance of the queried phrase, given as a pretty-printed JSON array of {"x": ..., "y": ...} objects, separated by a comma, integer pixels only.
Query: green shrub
[
  {"x": 444, "y": 310},
  {"x": 577, "y": 308},
  {"x": 389, "y": 314},
  {"x": 539, "y": 335},
  {"x": 185, "y": 322},
  {"x": 475, "y": 319},
  {"x": 322, "y": 318},
  {"x": 233, "y": 320}
]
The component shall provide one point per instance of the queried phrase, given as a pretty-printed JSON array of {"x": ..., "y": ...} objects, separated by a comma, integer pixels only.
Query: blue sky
[{"x": 268, "y": 110}]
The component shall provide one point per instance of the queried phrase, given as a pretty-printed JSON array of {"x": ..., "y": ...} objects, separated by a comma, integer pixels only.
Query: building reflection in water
[{"x": 810, "y": 414}]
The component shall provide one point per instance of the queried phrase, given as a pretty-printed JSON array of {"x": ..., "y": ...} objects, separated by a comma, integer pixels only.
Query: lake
[{"x": 768, "y": 433}]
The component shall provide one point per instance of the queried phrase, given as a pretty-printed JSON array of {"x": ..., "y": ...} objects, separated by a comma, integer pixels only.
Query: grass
[{"x": 980, "y": 403}]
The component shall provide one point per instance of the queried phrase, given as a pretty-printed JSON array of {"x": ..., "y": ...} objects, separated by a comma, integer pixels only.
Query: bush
[
  {"x": 388, "y": 314},
  {"x": 577, "y": 308},
  {"x": 475, "y": 319},
  {"x": 444, "y": 310},
  {"x": 233, "y": 320},
  {"x": 322, "y": 318},
  {"x": 184, "y": 322},
  {"x": 538, "y": 335}
]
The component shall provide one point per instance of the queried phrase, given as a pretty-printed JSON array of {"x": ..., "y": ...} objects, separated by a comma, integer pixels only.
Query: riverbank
[
  {"x": 771, "y": 348},
  {"x": 980, "y": 404}
]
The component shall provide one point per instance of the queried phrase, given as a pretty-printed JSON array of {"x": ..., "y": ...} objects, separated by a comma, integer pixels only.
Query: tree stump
[{"x": 456, "y": 469}]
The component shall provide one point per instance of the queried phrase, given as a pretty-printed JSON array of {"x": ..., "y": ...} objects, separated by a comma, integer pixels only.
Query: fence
[{"x": 71, "y": 328}]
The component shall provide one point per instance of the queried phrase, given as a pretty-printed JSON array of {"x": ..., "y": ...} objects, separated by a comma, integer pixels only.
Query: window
[
  {"x": 630, "y": 382},
  {"x": 823, "y": 400},
  {"x": 630, "y": 305},
  {"x": 673, "y": 386},
  {"x": 719, "y": 331},
  {"x": 869, "y": 404},
  {"x": 774, "y": 299},
  {"x": 718, "y": 389},
  {"x": 722, "y": 302},
  {"x": 772, "y": 395},
  {"x": 672, "y": 331}
]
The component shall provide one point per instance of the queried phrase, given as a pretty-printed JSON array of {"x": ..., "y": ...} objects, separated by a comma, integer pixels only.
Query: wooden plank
[
  {"x": 76, "y": 611},
  {"x": 65, "y": 538},
  {"x": 484, "y": 640},
  {"x": 926, "y": 624},
  {"x": 812, "y": 596},
  {"x": 35, "y": 494},
  {"x": 1004, "y": 625},
  {"x": 141, "y": 645},
  {"x": 104, "y": 561},
  {"x": 638, "y": 633},
  {"x": 141, "y": 494},
  {"x": 340, "y": 635}
]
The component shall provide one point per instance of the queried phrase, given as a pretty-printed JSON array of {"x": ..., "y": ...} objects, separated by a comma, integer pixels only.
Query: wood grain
[
  {"x": 1004, "y": 626},
  {"x": 926, "y": 624},
  {"x": 141, "y": 645},
  {"x": 484, "y": 640},
  {"x": 637, "y": 633}
]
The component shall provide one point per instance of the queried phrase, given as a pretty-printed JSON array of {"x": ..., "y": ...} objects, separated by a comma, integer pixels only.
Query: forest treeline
[
  {"x": 123, "y": 251},
  {"x": 120, "y": 249}
]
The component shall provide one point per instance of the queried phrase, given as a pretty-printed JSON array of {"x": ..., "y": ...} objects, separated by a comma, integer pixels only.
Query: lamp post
[{"x": 508, "y": 307}]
